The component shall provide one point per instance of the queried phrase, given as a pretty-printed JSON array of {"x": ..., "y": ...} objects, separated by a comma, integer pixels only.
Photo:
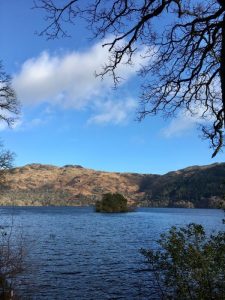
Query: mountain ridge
[{"x": 40, "y": 184}]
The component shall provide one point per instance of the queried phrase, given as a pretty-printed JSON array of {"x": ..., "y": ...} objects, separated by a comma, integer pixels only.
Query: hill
[
  {"x": 36, "y": 184},
  {"x": 197, "y": 186}
]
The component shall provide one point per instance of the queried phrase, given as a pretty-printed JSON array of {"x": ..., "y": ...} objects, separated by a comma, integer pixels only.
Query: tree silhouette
[
  {"x": 9, "y": 108},
  {"x": 12, "y": 250},
  {"x": 9, "y": 105},
  {"x": 185, "y": 69}
]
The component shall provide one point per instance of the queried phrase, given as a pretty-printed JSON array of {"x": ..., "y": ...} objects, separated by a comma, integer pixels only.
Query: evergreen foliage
[
  {"x": 112, "y": 203},
  {"x": 200, "y": 187}
]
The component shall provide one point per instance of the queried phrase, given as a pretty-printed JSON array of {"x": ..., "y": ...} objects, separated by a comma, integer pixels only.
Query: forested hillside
[
  {"x": 36, "y": 184},
  {"x": 192, "y": 187}
]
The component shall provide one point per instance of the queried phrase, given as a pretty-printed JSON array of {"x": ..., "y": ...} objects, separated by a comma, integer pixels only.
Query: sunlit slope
[{"x": 36, "y": 184}]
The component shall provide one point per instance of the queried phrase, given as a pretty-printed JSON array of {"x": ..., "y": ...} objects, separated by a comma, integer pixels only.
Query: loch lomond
[{"x": 75, "y": 253}]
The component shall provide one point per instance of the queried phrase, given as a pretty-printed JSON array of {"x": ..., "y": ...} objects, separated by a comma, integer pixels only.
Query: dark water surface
[{"x": 75, "y": 253}]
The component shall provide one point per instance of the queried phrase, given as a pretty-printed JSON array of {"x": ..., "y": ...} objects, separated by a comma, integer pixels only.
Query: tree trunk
[{"x": 222, "y": 68}]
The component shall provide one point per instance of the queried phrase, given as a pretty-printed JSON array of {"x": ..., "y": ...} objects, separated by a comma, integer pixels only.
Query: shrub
[
  {"x": 12, "y": 258},
  {"x": 188, "y": 264}
]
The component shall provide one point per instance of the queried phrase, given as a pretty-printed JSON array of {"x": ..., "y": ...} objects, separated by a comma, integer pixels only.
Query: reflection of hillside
[{"x": 37, "y": 184}]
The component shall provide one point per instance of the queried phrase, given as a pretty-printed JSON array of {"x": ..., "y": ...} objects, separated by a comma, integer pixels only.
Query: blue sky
[{"x": 70, "y": 117}]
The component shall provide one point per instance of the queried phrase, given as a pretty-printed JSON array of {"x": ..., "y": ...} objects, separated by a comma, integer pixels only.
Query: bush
[
  {"x": 112, "y": 203},
  {"x": 12, "y": 258},
  {"x": 188, "y": 264}
]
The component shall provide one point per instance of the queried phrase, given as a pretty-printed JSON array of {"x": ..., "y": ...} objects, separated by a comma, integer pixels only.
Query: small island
[{"x": 112, "y": 203}]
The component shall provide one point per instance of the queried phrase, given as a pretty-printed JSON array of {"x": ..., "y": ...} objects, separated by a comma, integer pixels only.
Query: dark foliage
[
  {"x": 188, "y": 264},
  {"x": 112, "y": 203},
  {"x": 203, "y": 187}
]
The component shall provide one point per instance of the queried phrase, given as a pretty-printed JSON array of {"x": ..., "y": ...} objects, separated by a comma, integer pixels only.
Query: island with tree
[{"x": 112, "y": 203}]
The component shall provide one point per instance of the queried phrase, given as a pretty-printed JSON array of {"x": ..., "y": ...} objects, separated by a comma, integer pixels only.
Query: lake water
[{"x": 75, "y": 253}]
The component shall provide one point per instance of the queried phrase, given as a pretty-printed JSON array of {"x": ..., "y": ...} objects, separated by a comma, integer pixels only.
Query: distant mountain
[
  {"x": 196, "y": 186},
  {"x": 36, "y": 184}
]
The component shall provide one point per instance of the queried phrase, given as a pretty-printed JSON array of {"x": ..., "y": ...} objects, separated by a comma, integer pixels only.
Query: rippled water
[{"x": 75, "y": 253}]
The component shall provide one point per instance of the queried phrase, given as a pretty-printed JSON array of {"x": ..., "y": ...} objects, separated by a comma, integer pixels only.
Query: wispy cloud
[
  {"x": 68, "y": 81},
  {"x": 177, "y": 127},
  {"x": 29, "y": 122},
  {"x": 185, "y": 122},
  {"x": 114, "y": 112}
]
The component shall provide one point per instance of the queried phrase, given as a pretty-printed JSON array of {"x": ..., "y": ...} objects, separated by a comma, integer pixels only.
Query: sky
[{"x": 68, "y": 116}]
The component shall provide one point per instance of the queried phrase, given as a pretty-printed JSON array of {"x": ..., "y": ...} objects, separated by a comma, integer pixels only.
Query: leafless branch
[{"x": 185, "y": 65}]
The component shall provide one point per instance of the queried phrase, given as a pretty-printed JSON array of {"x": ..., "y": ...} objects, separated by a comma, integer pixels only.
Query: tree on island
[
  {"x": 112, "y": 203},
  {"x": 183, "y": 66}
]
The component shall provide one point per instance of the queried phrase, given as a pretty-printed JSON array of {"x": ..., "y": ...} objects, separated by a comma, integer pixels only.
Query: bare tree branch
[
  {"x": 185, "y": 69},
  {"x": 9, "y": 109},
  {"x": 9, "y": 105}
]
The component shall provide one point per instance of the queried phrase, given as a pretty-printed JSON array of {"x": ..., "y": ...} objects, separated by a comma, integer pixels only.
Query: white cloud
[
  {"x": 179, "y": 126},
  {"x": 113, "y": 112},
  {"x": 68, "y": 80},
  {"x": 185, "y": 122}
]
